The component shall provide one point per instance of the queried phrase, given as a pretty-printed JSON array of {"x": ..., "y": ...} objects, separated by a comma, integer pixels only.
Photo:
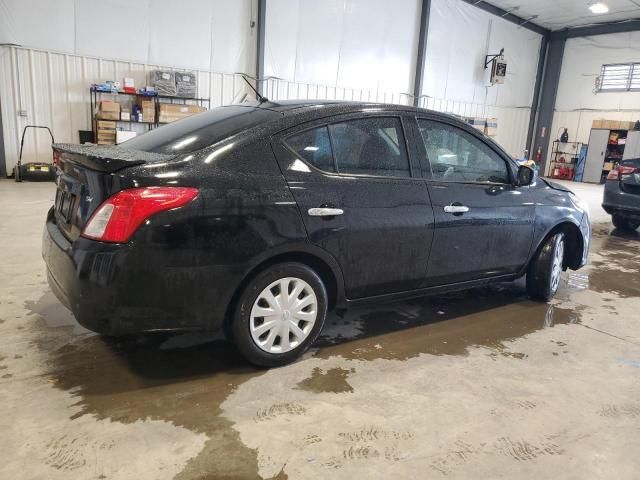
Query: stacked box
[
  {"x": 148, "y": 109},
  {"x": 611, "y": 124},
  {"x": 491, "y": 128},
  {"x": 106, "y": 132},
  {"x": 171, "y": 112},
  {"x": 478, "y": 123},
  {"x": 108, "y": 110},
  {"x": 163, "y": 81},
  {"x": 186, "y": 84}
]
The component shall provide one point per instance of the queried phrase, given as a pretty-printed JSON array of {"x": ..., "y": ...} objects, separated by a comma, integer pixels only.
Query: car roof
[{"x": 307, "y": 108}]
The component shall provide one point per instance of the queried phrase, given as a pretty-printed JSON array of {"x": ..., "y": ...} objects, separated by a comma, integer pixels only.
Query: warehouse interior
[{"x": 478, "y": 383}]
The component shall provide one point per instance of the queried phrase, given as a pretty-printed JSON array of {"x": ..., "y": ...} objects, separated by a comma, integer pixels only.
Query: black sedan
[
  {"x": 622, "y": 195},
  {"x": 257, "y": 219}
]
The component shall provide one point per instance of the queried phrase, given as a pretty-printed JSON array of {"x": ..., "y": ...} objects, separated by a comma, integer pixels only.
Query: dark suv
[
  {"x": 622, "y": 195},
  {"x": 258, "y": 218}
]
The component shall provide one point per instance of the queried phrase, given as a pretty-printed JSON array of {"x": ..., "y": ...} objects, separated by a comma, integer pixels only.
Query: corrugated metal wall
[{"x": 39, "y": 87}]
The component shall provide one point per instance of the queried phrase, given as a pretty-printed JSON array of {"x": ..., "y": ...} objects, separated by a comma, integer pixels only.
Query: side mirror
[{"x": 526, "y": 176}]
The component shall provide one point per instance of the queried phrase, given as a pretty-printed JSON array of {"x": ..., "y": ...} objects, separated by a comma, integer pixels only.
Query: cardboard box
[
  {"x": 124, "y": 135},
  {"x": 476, "y": 122},
  {"x": 609, "y": 124},
  {"x": 107, "y": 135},
  {"x": 148, "y": 108},
  {"x": 106, "y": 124},
  {"x": 108, "y": 110},
  {"x": 171, "y": 112}
]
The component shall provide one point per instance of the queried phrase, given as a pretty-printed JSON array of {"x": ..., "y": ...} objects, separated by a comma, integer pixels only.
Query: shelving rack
[
  {"x": 96, "y": 95},
  {"x": 561, "y": 166}
]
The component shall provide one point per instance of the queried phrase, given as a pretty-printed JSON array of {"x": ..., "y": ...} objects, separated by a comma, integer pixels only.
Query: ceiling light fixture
[{"x": 598, "y": 8}]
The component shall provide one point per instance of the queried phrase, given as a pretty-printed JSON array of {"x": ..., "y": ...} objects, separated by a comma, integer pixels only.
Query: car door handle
[
  {"x": 456, "y": 209},
  {"x": 325, "y": 212}
]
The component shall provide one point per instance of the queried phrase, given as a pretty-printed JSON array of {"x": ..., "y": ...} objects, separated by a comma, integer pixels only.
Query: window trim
[
  {"x": 474, "y": 134},
  {"x": 634, "y": 69},
  {"x": 326, "y": 122}
]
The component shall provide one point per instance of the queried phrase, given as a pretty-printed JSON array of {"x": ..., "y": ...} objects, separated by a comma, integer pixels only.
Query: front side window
[{"x": 457, "y": 156}]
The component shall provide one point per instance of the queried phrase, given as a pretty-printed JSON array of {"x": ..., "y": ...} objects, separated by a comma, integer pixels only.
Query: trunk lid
[
  {"x": 629, "y": 172},
  {"x": 86, "y": 177}
]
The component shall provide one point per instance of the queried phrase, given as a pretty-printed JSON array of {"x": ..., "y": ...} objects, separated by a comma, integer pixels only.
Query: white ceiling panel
[{"x": 558, "y": 14}]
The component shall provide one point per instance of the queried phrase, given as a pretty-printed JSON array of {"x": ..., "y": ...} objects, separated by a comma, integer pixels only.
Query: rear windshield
[
  {"x": 633, "y": 162},
  {"x": 201, "y": 130}
]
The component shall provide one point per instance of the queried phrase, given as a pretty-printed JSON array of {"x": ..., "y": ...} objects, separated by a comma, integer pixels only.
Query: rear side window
[
  {"x": 368, "y": 146},
  {"x": 371, "y": 146},
  {"x": 315, "y": 147}
]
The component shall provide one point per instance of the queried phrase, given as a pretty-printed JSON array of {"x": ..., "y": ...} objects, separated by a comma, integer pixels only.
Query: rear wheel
[
  {"x": 624, "y": 223},
  {"x": 279, "y": 314},
  {"x": 543, "y": 276}
]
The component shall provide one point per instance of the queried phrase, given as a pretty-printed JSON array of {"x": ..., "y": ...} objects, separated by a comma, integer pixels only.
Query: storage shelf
[
  {"x": 156, "y": 99},
  {"x": 170, "y": 97}
]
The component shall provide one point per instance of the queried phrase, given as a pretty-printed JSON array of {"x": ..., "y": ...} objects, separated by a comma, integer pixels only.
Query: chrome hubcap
[
  {"x": 283, "y": 315},
  {"x": 556, "y": 268}
]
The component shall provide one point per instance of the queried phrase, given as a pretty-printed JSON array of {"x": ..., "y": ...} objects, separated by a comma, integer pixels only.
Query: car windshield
[{"x": 200, "y": 131}]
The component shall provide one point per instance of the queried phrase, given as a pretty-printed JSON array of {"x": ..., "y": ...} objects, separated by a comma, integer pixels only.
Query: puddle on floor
[
  {"x": 184, "y": 379},
  {"x": 333, "y": 380}
]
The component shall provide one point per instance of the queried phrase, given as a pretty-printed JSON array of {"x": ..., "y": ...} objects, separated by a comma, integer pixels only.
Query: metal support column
[
  {"x": 535, "y": 105},
  {"x": 261, "y": 28},
  {"x": 422, "y": 51},
  {"x": 550, "y": 81},
  {"x": 3, "y": 160}
]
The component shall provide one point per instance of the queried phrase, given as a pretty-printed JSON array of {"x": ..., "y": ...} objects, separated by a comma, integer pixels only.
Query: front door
[
  {"x": 484, "y": 224},
  {"x": 361, "y": 199}
]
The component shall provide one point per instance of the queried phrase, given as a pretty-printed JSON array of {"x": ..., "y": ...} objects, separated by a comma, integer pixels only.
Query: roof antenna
[{"x": 261, "y": 98}]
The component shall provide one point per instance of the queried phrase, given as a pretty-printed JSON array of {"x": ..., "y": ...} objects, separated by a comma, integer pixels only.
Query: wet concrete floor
[{"x": 477, "y": 384}]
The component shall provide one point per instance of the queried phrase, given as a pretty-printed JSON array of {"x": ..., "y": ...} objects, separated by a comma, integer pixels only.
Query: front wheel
[
  {"x": 279, "y": 314},
  {"x": 543, "y": 276},
  {"x": 624, "y": 223}
]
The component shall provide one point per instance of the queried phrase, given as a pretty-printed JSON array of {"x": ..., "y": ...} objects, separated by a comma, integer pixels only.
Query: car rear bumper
[
  {"x": 118, "y": 289},
  {"x": 617, "y": 202}
]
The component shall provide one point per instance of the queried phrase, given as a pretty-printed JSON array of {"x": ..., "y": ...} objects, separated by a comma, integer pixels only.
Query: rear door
[
  {"x": 483, "y": 223},
  {"x": 361, "y": 198}
]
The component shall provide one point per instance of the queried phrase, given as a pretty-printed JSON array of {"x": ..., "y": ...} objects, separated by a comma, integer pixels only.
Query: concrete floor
[{"x": 482, "y": 384}]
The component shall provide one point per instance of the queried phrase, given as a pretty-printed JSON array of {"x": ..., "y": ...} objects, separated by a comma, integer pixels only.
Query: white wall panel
[
  {"x": 363, "y": 44},
  {"x": 460, "y": 36},
  {"x": 117, "y": 29},
  {"x": 180, "y": 34},
  {"x": 39, "y": 23},
  {"x": 583, "y": 58},
  {"x": 233, "y": 41},
  {"x": 53, "y": 90},
  {"x": 198, "y": 34}
]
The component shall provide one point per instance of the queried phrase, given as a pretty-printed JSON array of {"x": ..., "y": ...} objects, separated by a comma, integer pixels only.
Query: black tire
[
  {"x": 240, "y": 323},
  {"x": 540, "y": 275},
  {"x": 624, "y": 223}
]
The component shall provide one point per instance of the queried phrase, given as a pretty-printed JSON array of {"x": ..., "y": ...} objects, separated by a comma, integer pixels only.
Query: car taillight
[
  {"x": 56, "y": 159},
  {"x": 120, "y": 215},
  {"x": 616, "y": 173}
]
